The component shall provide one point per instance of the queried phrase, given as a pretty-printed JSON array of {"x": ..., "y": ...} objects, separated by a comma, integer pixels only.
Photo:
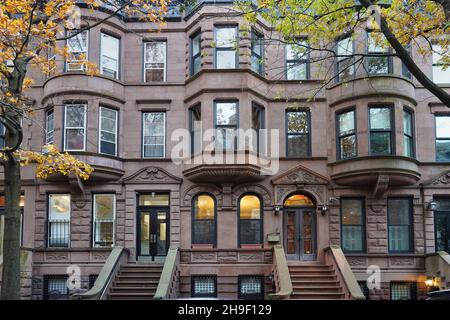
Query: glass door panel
[
  {"x": 161, "y": 233},
  {"x": 145, "y": 226},
  {"x": 291, "y": 232},
  {"x": 307, "y": 233},
  {"x": 442, "y": 230}
]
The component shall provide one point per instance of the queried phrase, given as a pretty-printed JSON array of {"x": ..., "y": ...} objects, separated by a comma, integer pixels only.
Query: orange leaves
[{"x": 51, "y": 161}]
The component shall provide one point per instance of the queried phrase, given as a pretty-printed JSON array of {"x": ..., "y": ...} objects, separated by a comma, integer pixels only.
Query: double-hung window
[
  {"x": 104, "y": 218},
  {"x": 110, "y": 48},
  {"x": 441, "y": 69},
  {"x": 345, "y": 59},
  {"x": 226, "y": 124},
  {"x": 108, "y": 131},
  {"x": 49, "y": 126},
  {"x": 297, "y": 61},
  {"x": 58, "y": 230},
  {"x": 298, "y": 133},
  {"x": 400, "y": 226},
  {"x": 257, "y": 48},
  {"x": 204, "y": 220},
  {"x": 408, "y": 133},
  {"x": 226, "y": 56},
  {"x": 352, "y": 225},
  {"x": 195, "y": 128},
  {"x": 154, "y": 135},
  {"x": 75, "y": 127},
  {"x": 196, "y": 58},
  {"x": 380, "y": 119},
  {"x": 346, "y": 125},
  {"x": 258, "y": 125},
  {"x": 378, "y": 62},
  {"x": 155, "y": 61},
  {"x": 77, "y": 45},
  {"x": 250, "y": 223},
  {"x": 442, "y": 137}
]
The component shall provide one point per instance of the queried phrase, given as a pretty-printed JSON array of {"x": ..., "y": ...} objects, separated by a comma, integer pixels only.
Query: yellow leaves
[{"x": 51, "y": 161}]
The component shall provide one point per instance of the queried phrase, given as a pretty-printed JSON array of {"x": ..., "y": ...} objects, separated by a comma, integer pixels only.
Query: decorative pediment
[
  {"x": 442, "y": 180},
  {"x": 300, "y": 176},
  {"x": 151, "y": 175}
]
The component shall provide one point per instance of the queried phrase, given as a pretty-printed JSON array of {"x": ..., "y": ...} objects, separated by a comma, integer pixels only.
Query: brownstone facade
[{"x": 318, "y": 175}]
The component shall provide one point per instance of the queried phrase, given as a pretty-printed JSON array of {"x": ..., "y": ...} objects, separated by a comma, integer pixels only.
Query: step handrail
[
  {"x": 169, "y": 275},
  {"x": 282, "y": 277},
  {"x": 116, "y": 259},
  {"x": 437, "y": 265},
  {"x": 340, "y": 263}
]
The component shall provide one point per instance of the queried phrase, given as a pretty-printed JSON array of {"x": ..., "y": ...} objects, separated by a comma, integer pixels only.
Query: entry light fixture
[
  {"x": 432, "y": 205},
  {"x": 277, "y": 209},
  {"x": 323, "y": 209}
]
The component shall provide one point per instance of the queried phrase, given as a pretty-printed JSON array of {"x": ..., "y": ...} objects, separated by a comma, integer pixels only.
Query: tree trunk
[{"x": 11, "y": 243}]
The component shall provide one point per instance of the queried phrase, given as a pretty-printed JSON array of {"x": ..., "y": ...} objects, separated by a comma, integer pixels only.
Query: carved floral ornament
[
  {"x": 152, "y": 175},
  {"x": 443, "y": 179}
]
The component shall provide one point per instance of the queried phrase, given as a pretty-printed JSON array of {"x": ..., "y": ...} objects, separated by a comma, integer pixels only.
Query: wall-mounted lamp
[
  {"x": 277, "y": 209},
  {"x": 432, "y": 283},
  {"x": 432, "y": 205},
  {"x": 323, "y": 209}
]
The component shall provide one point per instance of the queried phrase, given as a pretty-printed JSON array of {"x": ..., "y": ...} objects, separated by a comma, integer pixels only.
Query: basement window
[
  {"x": 403, "y": 291},
  {"x": 204, "y": 286},
  {"x": 55, "y": 287},
  {"x": 251, "y": 287}
]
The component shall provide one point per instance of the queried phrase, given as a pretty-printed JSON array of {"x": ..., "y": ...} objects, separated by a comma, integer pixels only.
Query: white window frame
[
  {"x": 165, "y": 59},
  {"x": 95, "y": 219},
  {"x": 49, "y": 134},
  {"x": 68, "y": 128},
  {"x": 102, "y": 36},
  {"x": 100, "y": 130},
  {"x": 436, "y": 57},
  {"x": 86, "y": 52},
  {"x": 49, "y": 219},
  {"x": 143, "y": 136}
]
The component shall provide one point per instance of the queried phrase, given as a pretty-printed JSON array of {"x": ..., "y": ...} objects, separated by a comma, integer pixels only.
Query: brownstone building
[{"x": 358, "y": 184}]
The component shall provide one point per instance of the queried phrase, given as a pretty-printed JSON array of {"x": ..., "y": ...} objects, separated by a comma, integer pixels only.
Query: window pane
[
  {"x": 104, "y": 206},
  {"x": 154, "y": 75},
  {"x": 297, "y": 122},
  {"x": 49, "y": 127},
  {"x": 442, "y": 127},
  {"x": 196, "y": 65},
  {"x": 346, "y": 122},
  {"x": 399, "y": 238},
  {"x": 77, "y": 43},
  {"x": 108, "y": 131},
  {"x": 250, "y": 231},
  {"x": 196, "y": 45},
  {"x": 380, "y": 118},
  {"x": 155, "y": 52},
  {"x": 439, "y": 74},
  {"x": 74, "y": 139},
  {"x": 443, "y": 150},
  {"x": 250, "y": 207},
  {"x": 298, "y": 200},
  {"x": 346, "y": 68},
  {"x": 226, "y": 59},
  {"x": 154, "y": 134},
  {"x": 407, "y": 123},
  {"x": 104, "y": 234},
  {"x": 203, "y": 231},
  {"x": 380, "y": 142},
  {"x": 298, "y": 146},
  {"x": 226, "y": 37},
  {"x": 75, "y": 116},
  {"x": 226, "y": 113},
  {"x": 378, "y": 65},
  {"x": 443, "y": 204},
  {"x": 204, "y": 207},
  {"x": 352, "y": 211},
  {"x": 345, "y": 48},
  {"x": 155, "y": 199},
  {"x": 225, "y": 138},
  {"x": 408, "y": 146},
  {"x": 110, "y": 55},
  {"x": 59, "y": 207},
  {"x": 296, "y": 71},
  {"x": 376, "y": 42},
  {"x": 347, "y": 147},
  {"x": 352, "y": 238},
  {"x": 297, "y": 51},
  {"x": 399, "y": 219}
]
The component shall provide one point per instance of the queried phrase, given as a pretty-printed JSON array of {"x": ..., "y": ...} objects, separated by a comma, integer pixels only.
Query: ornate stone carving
[
  {"x": 258, "y": 189},
  {"x": 56, "y": 256},
  {"x": 400, "y": 261},
  {"x": 318, "y": 191},
  {"x": 100, "y": 256},
  {"x": 443, "y": 179},
  {"x": 282, "y": 192},
  {"x": 191, "y": 192},
  {"x": 356, "y": 261},
  {"x": 251, "y": 256},
  {"x": 152, "y": 175},
  {"x": 300, "y": 176},
  {"x": 203, "y": 256}
]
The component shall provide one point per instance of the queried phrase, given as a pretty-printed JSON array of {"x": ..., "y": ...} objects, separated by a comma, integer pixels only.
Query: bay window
[
  {"x": 75, "y": 127},
  {"x": 195, "y": 53},
  {"x": 108, "y": 131},
  {"x": 77, "y": 46},
  {"x": 257, "y": 49},
  {"x": 49, "y": 126},
  {"x": 400, "y": 226},
  {"x": 250, "y": 224},
  {"x": 380, "y": 125},
  {"x": 109, "y": 59},
  {"x": 378, "y": 62},
  {"x": 154, "y": 135},
  {"x": 226, "y": 55},
  {"x": 408, "y": 133},
  {"x": 195, "y": 128},
  {"x": 346, "y": 123},
  {"x": 155, "y": 61},
  {"x": 226, "y": 124},
  {"x": 104, "y": 220}
]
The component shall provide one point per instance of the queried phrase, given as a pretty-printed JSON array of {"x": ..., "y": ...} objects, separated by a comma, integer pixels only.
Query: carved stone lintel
[
  {"x": 152, "y": 175},
  {"x": 443, "y": 179}
]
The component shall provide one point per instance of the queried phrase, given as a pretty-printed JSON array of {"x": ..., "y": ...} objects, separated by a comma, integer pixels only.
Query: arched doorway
[{"x": 299, "y": 221}]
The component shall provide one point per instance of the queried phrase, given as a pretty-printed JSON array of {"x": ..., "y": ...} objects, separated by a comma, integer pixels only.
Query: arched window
[
  {"x": 250, "y": 220},
  {"x": 298, "y": 200},
  {"x": 204, "y": 220}
]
